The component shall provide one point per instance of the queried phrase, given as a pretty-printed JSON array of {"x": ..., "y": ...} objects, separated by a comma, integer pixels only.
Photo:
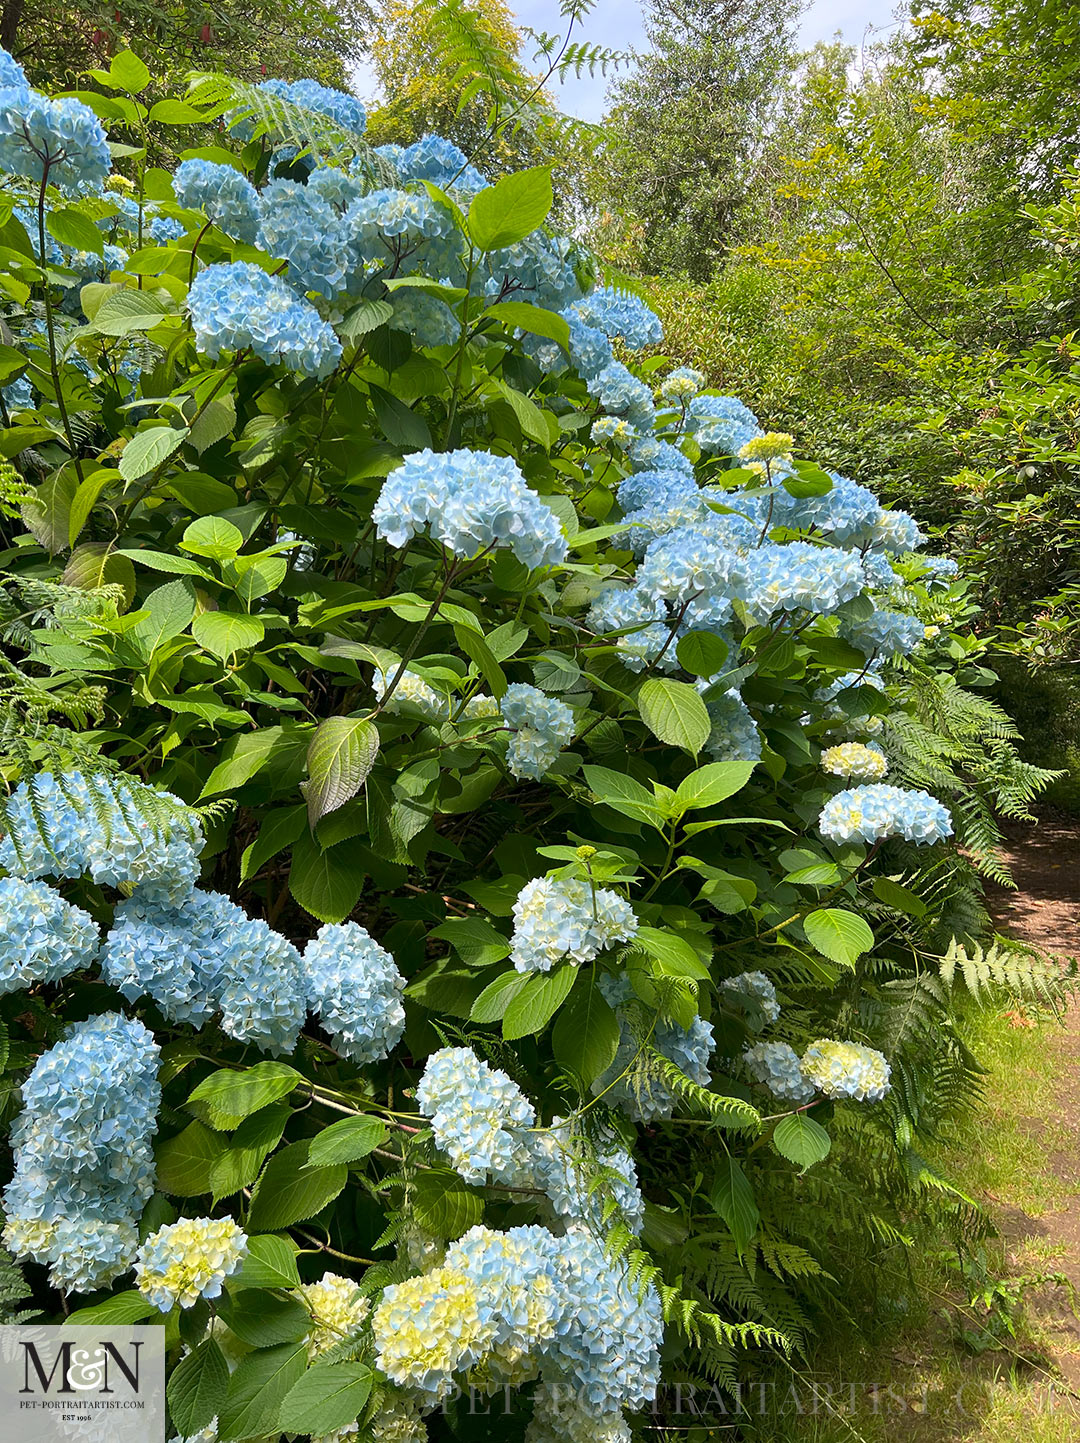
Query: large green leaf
[
  {"x": 531, "y": 1009},
  {"x": 841, "y": 936},
  {"x": 74, "y": 228},
  {"x": 713, "y": 783},
  {"x": 328, "y": 1397},
  {"x": 257, "y": 1135},
  {"x": 444, "y": 1205},
  {"x": 675, "y": 713},
  {"x": 513, "y": 208},
  {"x": 244, "y": 756},
  {"x": 184, "y": 1162},
  {"x": 347, "y": 1140},
  {"x": 149, "y": 449},
  {"x": 288, "y": 1191},
  {"x": 801, "y": 1140},
  {"x": 214, "y": 537},
  {"x": 585, "y": 1037},
  {"x": 263, "y": 1321},
  {"x": 226, "y": 1097},
  {"x": 326, "y": 882},
  {"x": 197, "y": 1387},
  {"x": 270, "y": 1263},
  {"x": 624, "y": 795},
  {"x": 535, "y": 319},
  {"x": 256, "y": 1390},
  {"x": 733, "y": 1198},
  {"x": 169, "y": 611},
  {"x": 224, "y": 633},
  {"x": 340, "y": 756},
  {"x": 94, "y": 564}
]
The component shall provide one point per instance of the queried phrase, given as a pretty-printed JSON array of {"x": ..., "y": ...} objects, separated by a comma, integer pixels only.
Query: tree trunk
[{"x": 9, "y": 23}]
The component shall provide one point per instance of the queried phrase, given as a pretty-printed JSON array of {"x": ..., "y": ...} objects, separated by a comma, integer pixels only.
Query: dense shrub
[{"x": 491, "y": 811}]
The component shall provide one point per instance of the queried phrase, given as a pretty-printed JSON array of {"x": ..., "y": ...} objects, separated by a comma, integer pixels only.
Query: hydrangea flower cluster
[
  {"x": 337, "y": 1312},
  {"x": 619, "y": 390},
  {"x": 404, "y": 227},
  {"x": 412, "y": 694},
  {"x": 557, "y": 918},
  {"x": 876, "y": 811},
  {"x": 237, "y": 306},
  {"x": 846, "y": 1069},
  {"x": 734, "y": 736},
  {"x": 628, "y": 1083},
  {"x": 477, "y": 1115},
  {"x": 504, "y": 1307},
  {"x": 842, "y": 514},
  {"x": 206, "y": 955},
  {"x": 540, "y": 267},
  {"x": 428, "y": 319},
  {"x": 542, "y": 725},
  {"x": 680, "y": 385},
  {"x": 42, "y": 937},
  {"x": 721, "y": 424},
  {"x": 440, "y": 161},
  {"x": 188, "y": 1260},
  {"x": 757, "y": 987},
  {"x": 63, "y": 827},
  {"x": 799, "y": 576},
  {"x": 299, "y": 226},
  {"x": 884, "y": 633},
  {"x": 591, "y": 1181},
  {"x": 776, "y": 1065},
  {"x": 355, "y": 987},
  {"x": 83, "y": 1161},
  {"x": 61, "y": 139},
  {"x": 222, "y": 193},
  {"x": 855, "y": 759},
  {"x": 345, "y": 110},
  {"x": 621, "y": 315},
  {"x": 473, "y": 501}
]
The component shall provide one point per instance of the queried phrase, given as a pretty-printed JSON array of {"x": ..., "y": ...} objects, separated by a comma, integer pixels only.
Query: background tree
[{"x": 686, "y": 128}]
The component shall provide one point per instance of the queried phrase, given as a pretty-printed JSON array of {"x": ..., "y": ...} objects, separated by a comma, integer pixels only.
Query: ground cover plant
[{"x": 491, "y": 836}]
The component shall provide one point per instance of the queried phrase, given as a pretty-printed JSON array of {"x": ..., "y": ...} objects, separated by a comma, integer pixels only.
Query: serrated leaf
[
  {"x": 224, "y": 633},
  {"x": 73, "y": 228},
  {"x": 213, "y": 537},
  {"x": 675, "y": 713},
  {"x": 184, "y": 1161},
  {"x": 327, "y": 1398},
  {"x": 149, "y": 449},
  {"x": 256, "y": 1390},
  {"x": 444, "y": 1205},
  {"x": 585, "y": 1037},
  {"x": 94, "y": 565},
  {"x": 497, "y": 996},
  {"x": 531, "y": 1009},
  {"x": 524, "y": 317},
  {"x": 270, "y": 1263},
  {"x": 340, "y": 756},
  {"x": 902, "y": 898},
  {"x": 129, "y": 1307},
  {"x": 712, "y": 783},
  {"x": 287, "y": 1192},
  {"x": 197, "y": 1387},
  {"x": 257, "y": 1135},
  {"x": 262, "y": 1321},
  {"x": 170, "y": 609},
  {"x": 505, "y": 213},
  {"x": 701, "y": 653},
  {"x": 226, "y": 1097},
  {"x": 325, "y": 881},
  {"x": 801, "y": 1140},
  {"x": 733, "y": 1198},
  {"x": 841, "y": 936},
  {"x": 347, "y": 1141}
]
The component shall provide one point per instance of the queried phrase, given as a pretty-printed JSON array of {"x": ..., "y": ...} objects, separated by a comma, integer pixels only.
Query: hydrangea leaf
[
  {"x": 841, "y": 936},
  {"x": 513, "y": 208},
  {"x": 228, "y": 1096},
  {"x": 328, "y": 1397},
  {"x": 287, "y": 1192},
  {"x": 197, "y": 1387},
  {"x": 801, "y": 1140},
  {"x": 675, "y": 713}
]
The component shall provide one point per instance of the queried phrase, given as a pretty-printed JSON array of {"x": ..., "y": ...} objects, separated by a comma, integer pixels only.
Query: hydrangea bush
[{"x": 446, "y": 838}]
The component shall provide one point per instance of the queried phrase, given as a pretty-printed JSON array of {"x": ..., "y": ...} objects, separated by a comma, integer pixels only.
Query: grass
[{"x": 915, "y": 1381}]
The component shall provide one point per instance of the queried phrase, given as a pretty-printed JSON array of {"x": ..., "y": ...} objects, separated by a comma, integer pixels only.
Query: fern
[{"x": 1010, "y": 970}]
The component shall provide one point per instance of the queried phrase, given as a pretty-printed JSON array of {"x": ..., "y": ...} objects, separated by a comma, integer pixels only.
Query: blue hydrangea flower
[
  {"x": 846, "y": 1069},
  {"x": 648, "y": 643},
  {"x": 721, "y": 424},
  {"x": 94, "y": 825},
  {"x": 477, "y": 1116},
  {"x": 335, "y": 186},
  {"x": 939, "y": 569},
  {"x": 655, "y": 503},
  {"x": 540, "y": 268},
  {"x": 355, "y": 987},
  {"x": 346, "y": 111},
  {"x": 188, "y": 1260},
  {"x": 619, "y": 390},
  {"x": 440, "y": 161},
  {"x": 588, "y": 1180},
  {"x": 609, "y": 1356},
  {"x": 404, "y": 227},
  {"x": 559, "y": 917},
  {"x": 680, "y": 385},
  {"x": 877, "y": 811},
  {"x": 12, "y": 75},
  {"x": 42, "y": 937},
  {"x": 647, "y": 452},
  {"x": 894, "y": 531},
  {"x": 759, "y": 989},
  {"x": 222, "y": 194},
  {"x": 799, "y": 576},
  {"x": 884, "y": 633},
  {"x": 206, "y": 955},
  {"x": 621, "y": 315},
  {"x": 425, "y": 317},
  {"x": 61, "y": 136},
  {"x": 542, "y": 726},
  {"x": 300, "y": 227},
  {"x": 82, "y": 1146},
  {"x": 628, "y": 1083},
  {"x": 238, "y": 307},
  {"x": 841, "y": 514},
  {"x": 473, "y": 501},
  {"x": 776, "y": 1066},
  {"x": 164, "y": 229}
]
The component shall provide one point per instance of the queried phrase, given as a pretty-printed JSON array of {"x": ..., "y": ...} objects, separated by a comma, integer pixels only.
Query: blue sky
[{"x": 616, "y": 25}]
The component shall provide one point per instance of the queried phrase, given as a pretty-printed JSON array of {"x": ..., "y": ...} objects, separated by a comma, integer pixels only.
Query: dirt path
[{"x": 1044, "y": 911}]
